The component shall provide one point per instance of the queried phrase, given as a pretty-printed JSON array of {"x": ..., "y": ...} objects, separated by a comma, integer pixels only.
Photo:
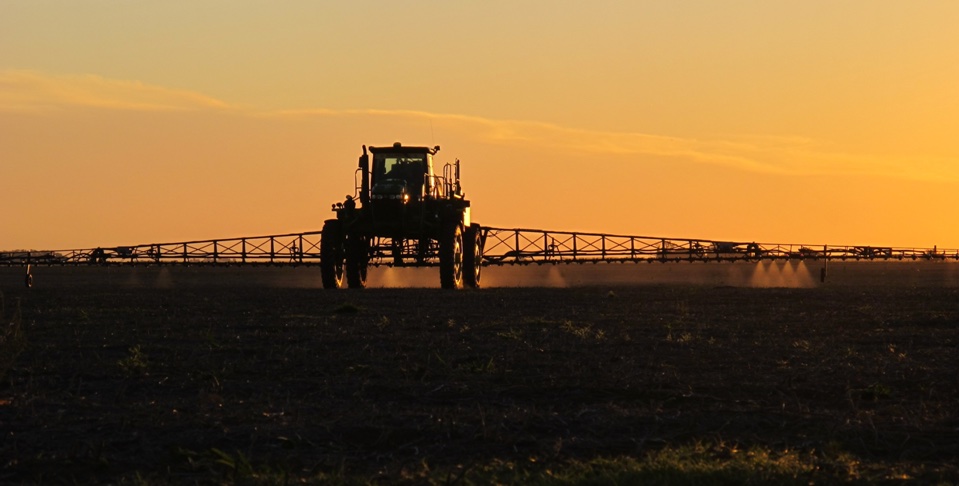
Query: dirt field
[{"x": 230, "y": 376}]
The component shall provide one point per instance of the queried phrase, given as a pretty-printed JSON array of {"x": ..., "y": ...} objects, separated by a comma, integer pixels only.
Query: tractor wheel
[
  {"x": 331, "y": 254},
  {"x": 357, "y": 261},
  {"x": 473, "y": 250},
  {"x": 451, "y": 257}
]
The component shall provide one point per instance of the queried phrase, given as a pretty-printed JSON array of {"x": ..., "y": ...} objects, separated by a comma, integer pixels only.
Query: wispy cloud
[
  {"x": 777, "y": 155},
  {"x": 781, "y": 155},
  {"x": 34, "y": 91}
]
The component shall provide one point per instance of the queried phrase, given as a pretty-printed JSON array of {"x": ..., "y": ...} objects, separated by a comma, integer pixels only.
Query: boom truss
[
  {"x": 530, "y": 246},
  {"x": 502, "y": 247}
]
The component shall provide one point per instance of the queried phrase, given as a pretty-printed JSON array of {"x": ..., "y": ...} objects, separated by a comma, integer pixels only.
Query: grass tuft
[
  {"x": 347, "y": 308},
  {"x": 694, "y": 464},
  {"x": 134, "y": 363},
  {"x": 585, "y": 332}
]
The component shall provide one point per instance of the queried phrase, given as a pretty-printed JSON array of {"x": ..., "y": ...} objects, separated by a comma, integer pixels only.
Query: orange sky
[{"x": 796, "y": 122}]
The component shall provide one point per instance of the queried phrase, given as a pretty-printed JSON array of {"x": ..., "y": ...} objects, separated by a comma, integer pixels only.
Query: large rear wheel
[
  {"x": 331, "y": 254},
  {"x": 473, "y": 253},
  {"x": 451, "y": 257},
  {"x": 357, "y": 260}
]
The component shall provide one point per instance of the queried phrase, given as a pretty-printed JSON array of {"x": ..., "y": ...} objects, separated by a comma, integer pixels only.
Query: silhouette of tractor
[{"x": 407, "y": 216}]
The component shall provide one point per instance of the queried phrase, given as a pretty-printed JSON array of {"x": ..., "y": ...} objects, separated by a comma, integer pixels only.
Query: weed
[
  {"x": 383, "y": 323},
  {"x": 801, "y": 344},
  {"x": 478, "y": 365},
  {"x": 359, "y": 369},
  {"x": 874, "y": 392},
  {"x": 210, "y": 337},
  {"x": 582, "y": 332},
  {"x": 233, "y": 468},
  {"x": 690, "y": 464},
  {"x": 440, "y": 359},
  {"x": 513, "y": 333},
  {"x": 135, "y": 362},
  {"x": 899, "y": 354},
  {"x": 239, "y": 466},
  {"x": 12, "y": 342},
  {"x": 538, "y": 321},
  {"x": 347, "y": 308},
  {"x": 717, "y": 464}
]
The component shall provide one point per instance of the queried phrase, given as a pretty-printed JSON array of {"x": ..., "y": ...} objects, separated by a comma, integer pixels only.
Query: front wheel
[
  {"x": 473, "y": 252},
  {"x": 357, "y": 261},
  {"x": 331, "y": 254},
  {"x": 451, "y": 257}
]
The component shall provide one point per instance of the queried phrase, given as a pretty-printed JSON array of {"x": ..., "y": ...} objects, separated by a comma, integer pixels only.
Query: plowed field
[{"x": 239, "y": 383}]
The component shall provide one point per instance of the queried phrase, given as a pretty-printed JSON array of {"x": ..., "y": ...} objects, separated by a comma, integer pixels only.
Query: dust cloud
[
  {"x": 793, "y": 274},
  {"x": 782, "y": 274},
  {"x": 164, "y": 280},
  {"x": 555, "y": 278},
  {"x": 739, "y": 274},
  {"x": 403, "y": 277}
]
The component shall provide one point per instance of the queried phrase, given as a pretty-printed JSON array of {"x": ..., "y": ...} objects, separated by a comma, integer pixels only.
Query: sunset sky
[{"x": 819, "y": 122}]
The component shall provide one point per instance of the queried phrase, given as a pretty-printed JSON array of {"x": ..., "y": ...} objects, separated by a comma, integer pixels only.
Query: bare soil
[{"x": 193, "y": 384}]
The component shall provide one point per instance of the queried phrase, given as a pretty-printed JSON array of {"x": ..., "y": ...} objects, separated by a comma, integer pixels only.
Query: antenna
[{"x": 432, "y": 137}]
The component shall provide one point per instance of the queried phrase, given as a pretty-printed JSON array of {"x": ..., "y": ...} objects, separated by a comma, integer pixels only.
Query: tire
[
  {"x": 331, "y": 254},
  {"x": 357, "y": 261},
  {"x": 451, "y": 257},
  {"x": 473, "y": 252}
]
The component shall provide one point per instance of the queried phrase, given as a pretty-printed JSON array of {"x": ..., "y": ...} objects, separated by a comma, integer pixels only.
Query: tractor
[{"x": 407, "y": 216}]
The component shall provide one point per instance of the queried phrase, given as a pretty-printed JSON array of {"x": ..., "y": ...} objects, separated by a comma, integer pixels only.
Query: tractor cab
[{"x": 403, "y": 173}]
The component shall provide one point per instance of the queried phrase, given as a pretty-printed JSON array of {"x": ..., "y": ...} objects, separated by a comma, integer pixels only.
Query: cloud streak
[
  {"x": 33, "y": 91},
  {"x": 29, "y": 91},
  {"x": 774, "y": 155}
]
